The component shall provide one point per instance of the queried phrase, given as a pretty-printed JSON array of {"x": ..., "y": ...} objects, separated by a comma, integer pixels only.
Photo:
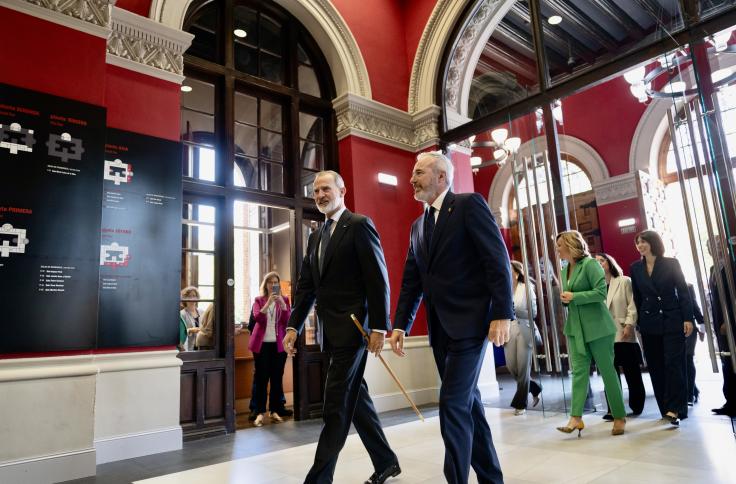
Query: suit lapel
[
  {"x": 575, "y": 273},
  {"x": 445, "y": 213},
  {"x": 612, "y": 288},
  {"x": 336, "y": 237}
]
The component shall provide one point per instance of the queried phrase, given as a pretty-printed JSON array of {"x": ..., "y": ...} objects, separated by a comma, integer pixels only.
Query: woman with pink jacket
[{"x": 271, "y": 311}]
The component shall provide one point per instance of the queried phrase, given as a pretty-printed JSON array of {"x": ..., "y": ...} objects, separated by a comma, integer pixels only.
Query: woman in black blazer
[{"x": 665, "y": 320}]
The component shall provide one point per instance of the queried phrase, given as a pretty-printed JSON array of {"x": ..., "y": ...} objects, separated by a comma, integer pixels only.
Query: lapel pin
[{"x": 449, "y": 209}]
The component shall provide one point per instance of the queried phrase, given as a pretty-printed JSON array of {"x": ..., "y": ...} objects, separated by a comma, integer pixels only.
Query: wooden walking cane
[{"x": 388, "y": 368}]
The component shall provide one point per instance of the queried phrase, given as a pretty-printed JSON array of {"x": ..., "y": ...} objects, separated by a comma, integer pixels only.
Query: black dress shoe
[
  {"x": 284, "y": 412},
  {"x": 724, "y": 410},
  {"x": 380, "y": 477},
  {"x": 608, "y": 417}
]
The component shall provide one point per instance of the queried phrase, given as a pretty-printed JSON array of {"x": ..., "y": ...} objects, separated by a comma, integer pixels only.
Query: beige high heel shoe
[
  {"x": 618, "y": 426},
  {"x": 567, "y": 429}
]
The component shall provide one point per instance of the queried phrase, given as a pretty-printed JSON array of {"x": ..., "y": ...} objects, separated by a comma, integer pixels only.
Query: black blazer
[
  {"x": 353, "y": 281},
  {"x": 662, "y": 299},
  {"x": 464, "y": 276}
]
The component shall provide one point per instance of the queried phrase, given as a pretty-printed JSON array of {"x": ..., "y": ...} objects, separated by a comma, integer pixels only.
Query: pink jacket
[{"x": 259, "y": 331}]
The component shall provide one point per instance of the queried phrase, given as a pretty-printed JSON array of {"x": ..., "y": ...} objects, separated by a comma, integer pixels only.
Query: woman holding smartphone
[{"x": 271, "y": 312}]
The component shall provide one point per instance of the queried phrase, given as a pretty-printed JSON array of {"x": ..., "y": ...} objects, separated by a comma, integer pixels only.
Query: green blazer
[{"x": 587, "y": 315}]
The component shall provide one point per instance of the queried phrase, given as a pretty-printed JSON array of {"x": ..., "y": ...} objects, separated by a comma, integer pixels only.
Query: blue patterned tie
[
  {"x": 429, "y": 226},
  {"x": 324, "y": 241}
]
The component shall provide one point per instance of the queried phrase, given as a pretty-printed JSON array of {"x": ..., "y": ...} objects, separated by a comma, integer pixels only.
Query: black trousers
[
  {"x": 269, "y": 368},
  {"x": 465, "y": 431},
  {"x": 665, "y": 354},
  {"x": 346, "y": 400},
  {"x": 729, "y": 377},
  {"x": 628, "y": 358}
]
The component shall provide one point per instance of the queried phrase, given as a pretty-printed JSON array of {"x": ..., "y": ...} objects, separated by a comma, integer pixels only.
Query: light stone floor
[{"x": 703, "y": 450}]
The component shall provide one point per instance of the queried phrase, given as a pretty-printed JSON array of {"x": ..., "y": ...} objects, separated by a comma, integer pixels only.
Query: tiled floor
[{"x": 530, "y": 450}]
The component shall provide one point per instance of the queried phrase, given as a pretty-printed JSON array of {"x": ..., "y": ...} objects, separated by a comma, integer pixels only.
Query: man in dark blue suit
[{"x": 457, "y": 262}]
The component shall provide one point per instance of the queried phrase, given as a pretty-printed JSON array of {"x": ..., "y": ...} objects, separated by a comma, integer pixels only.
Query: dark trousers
[
  {"x": 347, "y": 400},
  {"x": 269, "y": 368},
  {"x": 692, "y": 389},
  {"x": 463, "y": 424},
  {"x": 665, "y": 354},
  {"x": 628, "y": 360},
  {"x": 729, "y": 377}
]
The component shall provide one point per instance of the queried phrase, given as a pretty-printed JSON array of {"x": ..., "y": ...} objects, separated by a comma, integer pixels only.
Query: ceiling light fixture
[
  {"x": 240, "y": 33},
  {"x": 186, "y": 88},
  {"x": 667, "y": 72},
  {"x": 502, "y": 147},
  {"x": 554, "y": 20}
]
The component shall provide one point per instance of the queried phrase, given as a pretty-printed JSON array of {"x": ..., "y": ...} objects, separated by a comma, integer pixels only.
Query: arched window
[
  {"x": 256, "y": 101},
  {"x": 575, "y": 181},
  {"x": 257, "y": 124}
]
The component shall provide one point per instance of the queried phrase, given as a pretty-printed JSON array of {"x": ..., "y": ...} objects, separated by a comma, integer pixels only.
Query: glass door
[{"x": 262, "y": 241}]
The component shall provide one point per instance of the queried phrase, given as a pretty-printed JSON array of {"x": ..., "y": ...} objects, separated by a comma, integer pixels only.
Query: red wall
[
  {"x": 618, "y": 245},
  {"x": 605, "y": 117},
  {"x": 142, "y": 104},
  {"x": 141, "y": 7},
  {"x": 379, "y": 31},
  {"x": 416, "y": 14},
  {"x": 392, "y": 209},
  {"x": 67, "y": 63},
  {"x": 46, "y": 57}
]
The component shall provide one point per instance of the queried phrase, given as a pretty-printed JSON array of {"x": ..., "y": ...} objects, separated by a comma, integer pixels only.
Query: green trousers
[{"x": 601, "y": 351}]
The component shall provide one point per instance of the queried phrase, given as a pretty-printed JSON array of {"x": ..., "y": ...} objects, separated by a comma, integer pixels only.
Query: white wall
[
  {"x": 63, "y": 415},
  {"x": 418, "y": 373}
]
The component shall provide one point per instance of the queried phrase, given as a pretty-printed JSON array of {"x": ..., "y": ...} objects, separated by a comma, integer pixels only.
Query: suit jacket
[
  {"x": 662, "y": 299},
  {"x": 261, "y": 321},
  {"x": 588, "y": 318},
  {"x": 464, "y": 276},
  {"x": 620, "y": 302},
  {"x": 353, "y": 281}
]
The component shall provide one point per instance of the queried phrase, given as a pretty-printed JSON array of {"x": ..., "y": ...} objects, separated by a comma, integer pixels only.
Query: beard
[{"x": 331, "y": 206}]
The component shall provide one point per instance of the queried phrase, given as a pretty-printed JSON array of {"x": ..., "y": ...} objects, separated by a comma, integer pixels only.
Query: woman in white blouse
[
  {"x": 271, "y": 312},
  {"x": 518, "y": 350},
  {"x": 626, "y": 349}
]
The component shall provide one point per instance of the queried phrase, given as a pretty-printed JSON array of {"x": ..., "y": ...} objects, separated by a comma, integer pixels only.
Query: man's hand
[
  {"x": 499, "y": 332},
  {"x": 397, "y": 342},
  {"x": 628, "y": 331},
  {"x": 290, "y": 342},
  {"x": 688, "y": 328},
  {"x": 375, "y": 342}
]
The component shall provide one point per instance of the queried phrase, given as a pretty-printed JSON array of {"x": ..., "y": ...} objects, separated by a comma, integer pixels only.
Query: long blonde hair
[
  {"x": 264, "y": 282},
  {"x": 575, "y": 243}
]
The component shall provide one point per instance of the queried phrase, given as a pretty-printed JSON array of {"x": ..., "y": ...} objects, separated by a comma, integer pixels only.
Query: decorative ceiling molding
[
  {"x": 365, "y": 118},
  {"x": 616, "y": 189},
  {"x": 428, "y": 58},
  {"x": 88, "y": 16},
  {"x": 321, "y": 18},
  {"x": 468, "y": 49},
  {"x": 143, "y": 45}
]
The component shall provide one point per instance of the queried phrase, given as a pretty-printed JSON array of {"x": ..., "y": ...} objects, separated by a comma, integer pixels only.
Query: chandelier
[
  {"x": 669, "y": 67},
  {"x": 500, "y": 143}
]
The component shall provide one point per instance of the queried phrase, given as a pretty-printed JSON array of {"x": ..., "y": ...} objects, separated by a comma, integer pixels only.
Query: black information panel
[
  {"x": 140, "y": 255},
  {"x": 51, "y": 152}
]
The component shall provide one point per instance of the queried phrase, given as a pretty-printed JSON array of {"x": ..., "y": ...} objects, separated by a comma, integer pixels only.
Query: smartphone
[{"x": 276, "y": 289}]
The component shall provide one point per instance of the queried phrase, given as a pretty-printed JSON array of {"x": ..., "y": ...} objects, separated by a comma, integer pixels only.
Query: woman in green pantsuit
[{"x": 589, "y": 328}]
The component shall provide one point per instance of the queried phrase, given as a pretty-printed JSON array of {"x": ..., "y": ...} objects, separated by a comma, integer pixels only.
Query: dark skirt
[{"x": 627, "y": 354}]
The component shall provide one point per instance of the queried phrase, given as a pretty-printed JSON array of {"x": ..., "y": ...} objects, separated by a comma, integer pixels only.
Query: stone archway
[{"x": 498, "y": 196}]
